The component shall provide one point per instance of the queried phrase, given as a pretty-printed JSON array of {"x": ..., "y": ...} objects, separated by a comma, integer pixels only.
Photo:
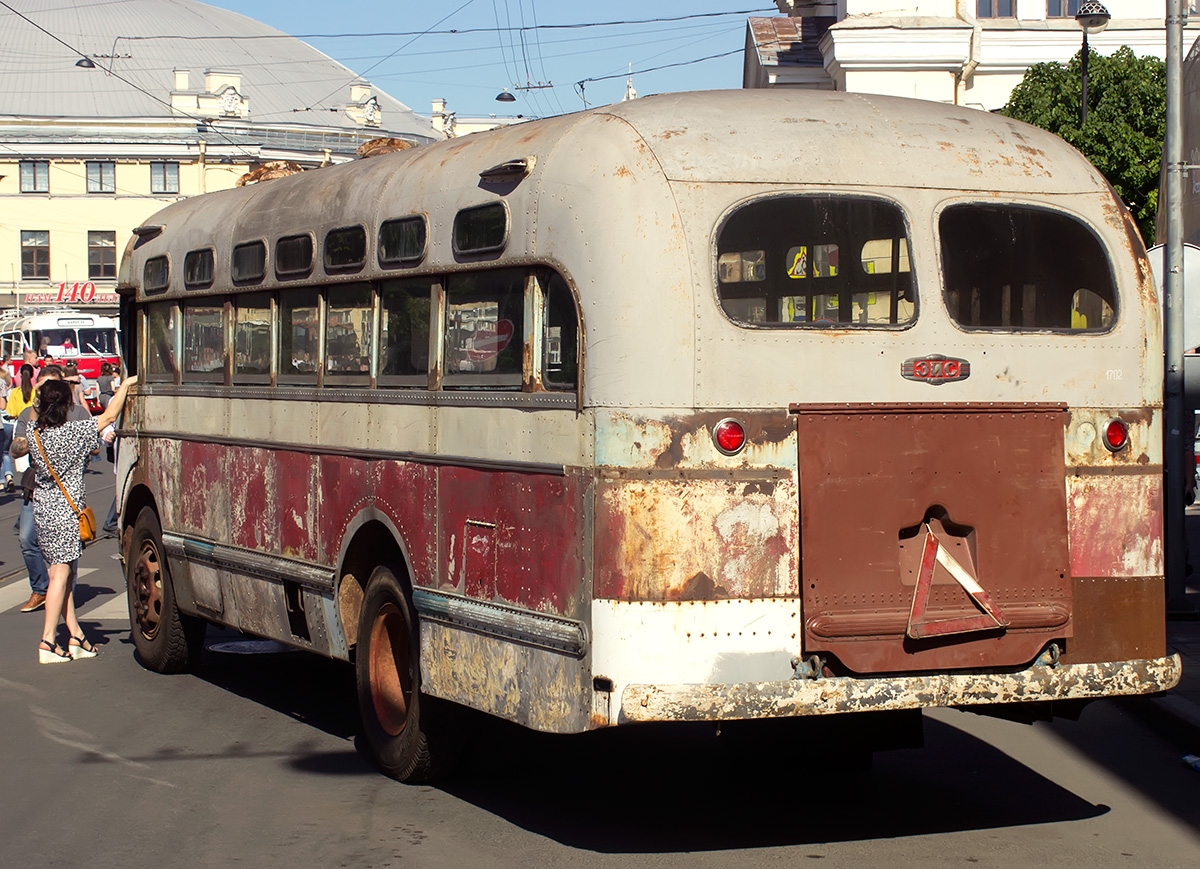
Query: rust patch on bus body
[
  {"x": 695, "y": 539},
  {"x": 678, "y": 520},
  {"x": 827, "y": 696}
]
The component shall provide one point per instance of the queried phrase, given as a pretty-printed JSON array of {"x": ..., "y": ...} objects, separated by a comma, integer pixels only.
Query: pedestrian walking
[
  {"x": 108, "y": 381},
  {"x": 31, "y": 553},
  {"x": 18, "y": 398},
  {"x": 58, "y": 452}
]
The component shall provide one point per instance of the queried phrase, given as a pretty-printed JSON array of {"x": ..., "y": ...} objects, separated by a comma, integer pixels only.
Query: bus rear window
[
  {"x": 816, "y": 261},
  {"x": 1024, "y": 269}
]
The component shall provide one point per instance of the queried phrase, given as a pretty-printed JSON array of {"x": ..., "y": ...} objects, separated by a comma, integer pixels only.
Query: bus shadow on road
[
  {"x": 316, "y": 691},
  {"x": 677, "y": 787},
  {"x": 660, "y": 788}
]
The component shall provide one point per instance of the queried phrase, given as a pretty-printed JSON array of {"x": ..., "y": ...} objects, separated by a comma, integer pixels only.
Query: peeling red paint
[
  {"x": 525, "y": 528},
  {"x": 1115, "y": 525}
]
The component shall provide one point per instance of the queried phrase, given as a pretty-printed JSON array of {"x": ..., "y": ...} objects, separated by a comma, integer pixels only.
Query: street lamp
[
  {"x": 505, "y": 97},
  {"x": 1092, "y": 17}
]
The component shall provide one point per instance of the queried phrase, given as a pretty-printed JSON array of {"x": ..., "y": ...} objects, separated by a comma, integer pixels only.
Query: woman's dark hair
[
  {"x": 54, "y": 402},
  {"x": 27, "y": 382},
  {"x": 106, "y": 368}
]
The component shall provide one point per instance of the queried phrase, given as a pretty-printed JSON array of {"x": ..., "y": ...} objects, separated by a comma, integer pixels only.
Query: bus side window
[
  {"x": 204, "y": 341},
  {"x": 162, "y": 339},
  {"x": 299, "y": 335},
  {"x": 348, "y": 327},
  {"x": 252, "y": 338},
  {"x": 404, "y": 333},
  {"x": 560, "y": 343},
  {"x": 484, "y": 331}
]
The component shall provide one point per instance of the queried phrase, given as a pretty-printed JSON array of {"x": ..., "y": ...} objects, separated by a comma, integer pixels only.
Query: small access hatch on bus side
[{"x": 933, "y": 538}]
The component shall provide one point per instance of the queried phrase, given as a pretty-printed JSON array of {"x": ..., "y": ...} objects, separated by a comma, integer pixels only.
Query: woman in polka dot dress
[{"x": 63, "y": 445}]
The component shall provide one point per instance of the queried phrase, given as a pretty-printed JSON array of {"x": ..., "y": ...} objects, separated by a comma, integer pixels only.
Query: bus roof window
[
  {"x": 249, "y": 263},
  {"x": 483, "y": 229},
  {"x": 156, "y": 275},
  {"x": 345, "y": 249},
  {"x": 294, "y": 256},
  {"x": 817, "y": 261},
  {"x": 198, "y": 269},
  {"x": 1039, "y": 270},
  {"x": 402, "y": 240}
]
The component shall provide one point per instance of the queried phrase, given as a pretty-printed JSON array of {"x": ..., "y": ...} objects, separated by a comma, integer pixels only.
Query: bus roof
[{"x": 770, "y": 136}]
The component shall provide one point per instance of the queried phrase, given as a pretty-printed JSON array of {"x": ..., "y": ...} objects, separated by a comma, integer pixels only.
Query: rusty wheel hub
[
  {"x": 147, "y": 573},
  {"x": 390, "y": 675}
]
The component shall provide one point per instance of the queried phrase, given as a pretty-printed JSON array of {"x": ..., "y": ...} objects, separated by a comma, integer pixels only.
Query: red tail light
[
  {"x": 1116, "y": 435},
  {"x": 730, "y": 436}
]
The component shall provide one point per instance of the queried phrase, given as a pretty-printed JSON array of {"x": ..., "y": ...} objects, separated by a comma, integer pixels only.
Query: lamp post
[{"x": 1092, "y": 17}]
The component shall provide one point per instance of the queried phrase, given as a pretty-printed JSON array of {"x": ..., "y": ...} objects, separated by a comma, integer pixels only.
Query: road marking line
[
  {"x": 115, "y": 607},
  {"x": 16, "y": 592}
]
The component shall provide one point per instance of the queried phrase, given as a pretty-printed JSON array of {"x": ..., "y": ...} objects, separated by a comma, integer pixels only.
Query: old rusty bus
[{"x": 706, "y": 406}]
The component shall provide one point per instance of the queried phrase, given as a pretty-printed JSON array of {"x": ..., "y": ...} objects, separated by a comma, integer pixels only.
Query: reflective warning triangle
[{"x": 919, "y": 627}]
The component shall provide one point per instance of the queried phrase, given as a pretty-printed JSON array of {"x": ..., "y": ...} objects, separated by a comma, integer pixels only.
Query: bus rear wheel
[
  {"x": 166, "y": 640},
  {"x": 387, "y": 670}
]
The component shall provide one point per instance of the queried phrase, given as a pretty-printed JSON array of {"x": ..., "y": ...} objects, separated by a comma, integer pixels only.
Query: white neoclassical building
[
  {"x": 966, "y": 52},
  {"x": 112, "y": 110}
]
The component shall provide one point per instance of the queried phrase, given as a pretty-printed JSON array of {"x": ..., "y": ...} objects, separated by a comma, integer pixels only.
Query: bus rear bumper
[{"x": 827, "y": 696}]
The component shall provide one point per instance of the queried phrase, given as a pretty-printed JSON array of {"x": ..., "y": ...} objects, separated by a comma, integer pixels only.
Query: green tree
[{"x": 1126, "y": 120}]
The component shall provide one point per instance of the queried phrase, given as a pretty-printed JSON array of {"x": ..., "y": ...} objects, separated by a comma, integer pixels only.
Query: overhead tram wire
[
  {"x": 534, "y": 91},
  {"x": 451, "y": 32},
  {"x": 537, "y": 41},
  {"x": 390, "y": 56},
  {"x": 579, "y": 84},
  {"x": 205, "y": 122},
  {"x": 499, "y": 39}
]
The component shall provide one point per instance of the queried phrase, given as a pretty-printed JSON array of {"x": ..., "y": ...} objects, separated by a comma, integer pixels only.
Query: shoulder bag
[{"x": 87, "y": 519}]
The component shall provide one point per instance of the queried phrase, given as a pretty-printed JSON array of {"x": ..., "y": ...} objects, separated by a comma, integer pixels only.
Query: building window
[
  {"x": 996, "y": 8},
  {"x": 164, "y": 177},
  {"x": 1062, "y": 8},
  {"x": 35, "y": 177},
  {"x": 35, "y": 254},
  {"x": 102, "y": 177},
  {"x": 102, "y": 255}
]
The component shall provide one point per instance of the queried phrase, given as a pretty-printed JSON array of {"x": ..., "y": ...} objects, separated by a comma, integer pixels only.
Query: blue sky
[{"x": 468, "y": 69}]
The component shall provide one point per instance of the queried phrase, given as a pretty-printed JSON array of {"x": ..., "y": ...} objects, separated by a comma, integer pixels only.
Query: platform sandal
[
  {"x": 49, "y": 653},
  {"x": 79, "y": 647}
]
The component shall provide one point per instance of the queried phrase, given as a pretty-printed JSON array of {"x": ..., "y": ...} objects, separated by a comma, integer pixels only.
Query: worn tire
[
  {"x": 395, "y": 716},
  {"x": 166, "y": 640}
]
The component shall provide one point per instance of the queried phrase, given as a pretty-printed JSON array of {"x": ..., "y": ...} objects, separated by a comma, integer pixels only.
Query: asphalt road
[{"x": 252, "y": 761}]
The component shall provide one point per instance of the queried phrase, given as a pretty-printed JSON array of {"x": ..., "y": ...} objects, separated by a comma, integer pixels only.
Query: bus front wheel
[
  {"x": 388, "y": 674},
  {"x": 166, "y": 640}
]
